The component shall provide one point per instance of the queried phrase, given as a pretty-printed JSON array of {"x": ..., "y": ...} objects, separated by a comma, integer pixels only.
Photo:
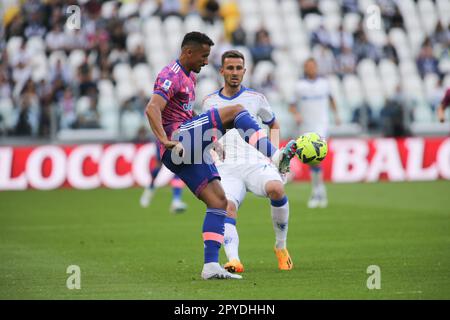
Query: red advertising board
[{"x": 124, "y": 165}]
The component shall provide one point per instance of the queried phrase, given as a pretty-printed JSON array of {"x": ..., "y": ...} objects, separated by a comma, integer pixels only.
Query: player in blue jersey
[{"x": 184, "y": 139}]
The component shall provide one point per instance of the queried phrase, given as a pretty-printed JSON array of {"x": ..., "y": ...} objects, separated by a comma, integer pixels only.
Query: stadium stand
[{"x": 101, "y": 76}]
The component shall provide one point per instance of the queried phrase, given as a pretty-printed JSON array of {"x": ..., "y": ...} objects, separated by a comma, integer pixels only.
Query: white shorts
[{"x": 238, "y": 179}]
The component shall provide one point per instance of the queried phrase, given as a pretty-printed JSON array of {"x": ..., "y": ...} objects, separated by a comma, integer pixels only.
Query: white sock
[
  {"x": 231, "y": 239},
  {"x": 280, "y": 219},
  {"x": 317, "y": 181}
]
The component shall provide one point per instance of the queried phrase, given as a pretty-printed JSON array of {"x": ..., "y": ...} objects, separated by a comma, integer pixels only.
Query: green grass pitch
[{"x": 125, "y": 252}]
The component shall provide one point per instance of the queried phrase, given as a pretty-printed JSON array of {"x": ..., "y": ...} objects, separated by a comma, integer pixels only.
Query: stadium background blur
[
  {"x": 93, "y": 83},
  {"x": 72, "y": 123}
]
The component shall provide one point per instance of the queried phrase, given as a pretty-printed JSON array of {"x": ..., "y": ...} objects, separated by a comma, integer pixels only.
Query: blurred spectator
[
  {"x": 308, "y": 6},
  {"x": 5, "y": 86},
  {"x": 395, "y": 116},
  {"x": 89, "y": 118},
  {"x": 364, "y": 49},
  {"x": 321, "y": 36},
  {"x": 436, "y": 95},
  {"x": 168, "y": 8},
  {"x": 390, "y": 52},
  {"x": 61, "y": 71},
  {"x": 341, "y": 39},
  {"x": 390, "y": 13},
  {"x": 363, "y": 115},
  {"x": 29, "y": 111},
  {"x": 346, "y": 62},
  {"x": 350, "y": 6},
  {"x": 392, "y": 117},
  {"x": 263, "y": 48},
  {"x": 229, "y": 11},
  {"x": 67, "y": 115},
  {"x": 56, "y": 39},
  {"x": 441, "y": 36},
  {"x": 211, "y": 11},
  {"x": 239, "y": 36},
  {"x": 35, "y": 27},
  {"x": 427, "y": 62},
  {"x": 86, "y": 83},
  {"x": 325, "y": 60},
  {"x": 138, "y": 56}
]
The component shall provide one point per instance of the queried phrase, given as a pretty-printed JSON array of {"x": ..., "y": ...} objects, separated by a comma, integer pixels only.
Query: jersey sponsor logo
[
  {"x": 166, "y": 85},
  {"x": 188, "y": 106}
]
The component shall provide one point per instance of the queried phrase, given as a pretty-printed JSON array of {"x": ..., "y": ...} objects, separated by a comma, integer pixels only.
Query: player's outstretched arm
[
  {"x": 297, "y": 116},
  {"x": 153, "y": 111},
  {"x": 335, "y": 111}
]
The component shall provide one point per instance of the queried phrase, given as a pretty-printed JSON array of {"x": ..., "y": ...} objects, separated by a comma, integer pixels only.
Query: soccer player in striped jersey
[
  {"x": 243, "y": 167},
  {"x": 184, "y": 139},
  {"x": 310, "y": 107}
]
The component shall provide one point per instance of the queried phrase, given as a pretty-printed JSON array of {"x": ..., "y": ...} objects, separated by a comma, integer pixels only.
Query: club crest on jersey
[
  {"x": 187, "y": 106},
  {"x": 166, "y": 85}
]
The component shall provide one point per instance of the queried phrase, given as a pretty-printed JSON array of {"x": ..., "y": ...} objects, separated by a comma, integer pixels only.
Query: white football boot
[
  {"x": 214, "y": 270},
  {"x": 146, "y": 197},
  {"x": 178, "y": 206}
]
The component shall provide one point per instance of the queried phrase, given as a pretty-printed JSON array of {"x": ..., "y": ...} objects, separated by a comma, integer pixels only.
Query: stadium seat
[
  {"x": 389, "y": 76},
  {"x": 82, "y": 105},
  {"x": 248, "y": 7},
  {"x": 125, "y": 90},
  {"x": 193, "y": 22},
  {"x": 413, "y": 88},
  {"x": 122, "y": 72},
  {"x": 269, "y": 6},
  {"x": 7, "y": 112},
  {"x": 366, "y": 68},
  {"x": 443, "y": 9},
  {"x": 332, "y": 22},
  {"x": 364, "y": 4},
  {"x": 13, "y": 45},
  {"x": 148, "y": 7},
  {"x": 107, "y": 9},
  {"x": 130, "y": 122},
  {"x": 337, "y": 93},
  {"x": 128, "y": 8},
  {"x": 312, "y": 22},
  {"x": 351, "y": 22},
  {"x": 329, "y": 7},
  {"x": 373, "y": 92},
  {"x": 444, "y": 65},
  {"x": 110, "y": 121},
  {"x": 430, "y": 81},
  {"x": 289, "y": 8},
  {"x": 173, "y": 25},
  {"x": 133, "y": 41},
  {"x": 251, "y": 24},
  {"x": 261, "y": 71},
  {"x": 428, "y": 15},
  {"x": 152, "y": 26},
  {"x": 446, "y": 82},
  {"x": 39, "y": 67},
  {"x": 55, "y": 56},
  {"x": 35, "y": 45},
  {"x": 142, "y": 77},
  {"x": 76, "y": 58},
  {"x": 204, "y": 87},
  {"x": 353, "y": 91}
]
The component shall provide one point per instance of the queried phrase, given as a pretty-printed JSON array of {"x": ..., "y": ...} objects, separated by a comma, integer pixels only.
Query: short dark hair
[
  {"x": 196, "y": 37},
  {"x": 232, "y": 54}
]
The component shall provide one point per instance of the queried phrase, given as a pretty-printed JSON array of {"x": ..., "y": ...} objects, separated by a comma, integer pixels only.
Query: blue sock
[
  {"x": 213, "y": 231},
  {"x": 257, "y": 137},
  {"x": 176, "y": 193}
]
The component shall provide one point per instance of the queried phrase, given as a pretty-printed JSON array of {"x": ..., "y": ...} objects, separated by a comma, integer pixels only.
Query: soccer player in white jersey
[
  {"x": 242, "y": 168},
  {"x": 310, "y": 108}
]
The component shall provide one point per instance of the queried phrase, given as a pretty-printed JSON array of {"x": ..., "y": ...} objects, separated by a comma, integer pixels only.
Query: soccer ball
[{"x": 311, "y": 148}]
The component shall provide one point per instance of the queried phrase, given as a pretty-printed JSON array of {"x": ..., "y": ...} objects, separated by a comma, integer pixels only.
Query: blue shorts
[{"x": 197, "y": 168}]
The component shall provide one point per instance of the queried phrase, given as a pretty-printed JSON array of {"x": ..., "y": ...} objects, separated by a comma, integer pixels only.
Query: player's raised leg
[
  {"x": 280, "y": 219},
  {"x": 238, "y": 117}
]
